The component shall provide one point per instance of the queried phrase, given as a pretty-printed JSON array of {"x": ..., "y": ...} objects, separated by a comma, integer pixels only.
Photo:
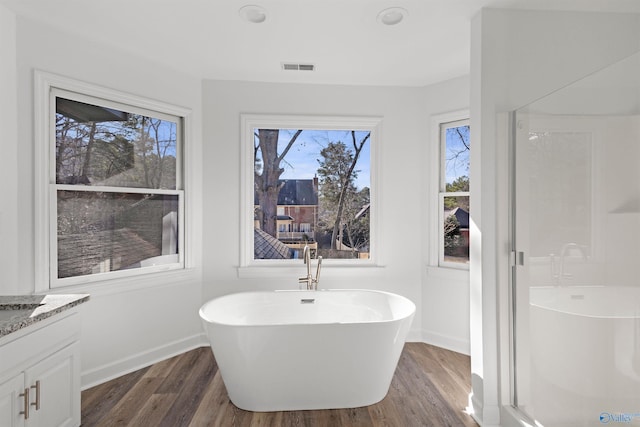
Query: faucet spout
[
  {"x": 312, "y": 282},
  {"x": 559, "y": 273}
]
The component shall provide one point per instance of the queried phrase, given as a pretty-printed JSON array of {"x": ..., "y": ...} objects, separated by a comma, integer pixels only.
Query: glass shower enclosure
[{"x": 575, "y": 288}]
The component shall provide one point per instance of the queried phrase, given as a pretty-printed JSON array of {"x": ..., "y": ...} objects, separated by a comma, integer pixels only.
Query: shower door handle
[{"x": 517, "y": 258}]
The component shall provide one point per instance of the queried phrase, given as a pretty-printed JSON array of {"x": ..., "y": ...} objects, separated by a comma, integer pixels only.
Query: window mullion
[
  {"x": 455, "y": 193},
  {"x": 104, "y": 189}
]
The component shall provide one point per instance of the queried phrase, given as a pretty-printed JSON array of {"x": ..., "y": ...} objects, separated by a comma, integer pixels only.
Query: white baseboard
[
  {"x": 134, "y": 362},
  {"x": 511, "y": 417},
  {"x": 414, "y": 335},
  {"x": 445, "y": 341}
]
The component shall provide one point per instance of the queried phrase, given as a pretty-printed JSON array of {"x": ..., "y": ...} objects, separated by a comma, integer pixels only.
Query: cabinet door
[
  {"x": 11, "y": 403},
  {"x": 55, "y": 389}
]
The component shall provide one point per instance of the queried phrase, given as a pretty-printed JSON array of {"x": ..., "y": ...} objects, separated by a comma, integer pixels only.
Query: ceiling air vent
[{"x": 298, "y": 67}]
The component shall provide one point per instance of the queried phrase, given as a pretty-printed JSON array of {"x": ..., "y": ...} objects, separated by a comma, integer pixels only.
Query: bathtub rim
[
  {"x": 578, "y": 288},
  {"x": 410, "y": 312}
]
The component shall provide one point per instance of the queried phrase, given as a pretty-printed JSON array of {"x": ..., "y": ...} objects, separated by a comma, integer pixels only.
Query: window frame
[
  {"x": 438, "y": 187},
  {"x": 46, "y": 88},
  {"x": 250, "y": 267}
]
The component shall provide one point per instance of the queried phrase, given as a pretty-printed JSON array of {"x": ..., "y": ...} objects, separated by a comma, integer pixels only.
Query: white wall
[
  {"x": 405, "y": 137},
  {"x": 9, "y": 241},
  {"x": 445, "y": 291},
  {"x": 122, "y": 329},
  {"x": 517, "y": 57}
]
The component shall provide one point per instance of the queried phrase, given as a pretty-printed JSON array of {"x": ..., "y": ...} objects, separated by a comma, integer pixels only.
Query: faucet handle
[{"x": 317, "y": 279}]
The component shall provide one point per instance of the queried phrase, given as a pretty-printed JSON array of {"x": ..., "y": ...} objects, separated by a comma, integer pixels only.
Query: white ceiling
[{"x": 342, "y": 38}]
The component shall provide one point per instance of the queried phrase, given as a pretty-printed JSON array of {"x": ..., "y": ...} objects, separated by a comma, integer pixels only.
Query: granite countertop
[{"x": 20, "y": 311}]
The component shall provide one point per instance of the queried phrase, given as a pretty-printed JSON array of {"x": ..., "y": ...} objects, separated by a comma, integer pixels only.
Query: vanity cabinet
[
  {"x": 40, "y": 374},
  {"x": 11, "y": 403}
]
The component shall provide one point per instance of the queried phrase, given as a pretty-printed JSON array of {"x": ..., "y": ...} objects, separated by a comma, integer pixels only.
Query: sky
[
  {"x": 301, "y": 162},
  {"x": 456, "y": 154}
]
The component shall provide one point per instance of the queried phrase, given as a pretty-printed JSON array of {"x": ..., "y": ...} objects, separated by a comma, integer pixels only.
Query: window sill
[
  {"x": 294, "y": 271},
  {"x": 129, "y": 284}
]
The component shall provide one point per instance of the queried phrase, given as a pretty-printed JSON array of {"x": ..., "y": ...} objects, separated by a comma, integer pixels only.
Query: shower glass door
[{"x": 575, "y": 288}]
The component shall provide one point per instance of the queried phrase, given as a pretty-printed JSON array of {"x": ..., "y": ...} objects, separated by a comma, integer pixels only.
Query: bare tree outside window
[
  {"x": 454, "y": 192},
  {"x": 117, "y": 189},
  {"x": 312, "y": 188},
  {"x": 102, "y": 146}
]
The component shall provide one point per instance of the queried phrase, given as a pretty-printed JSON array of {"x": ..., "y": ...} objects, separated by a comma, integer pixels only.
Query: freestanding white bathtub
[
  {"x": 585, "y": 345},
  {"x": 296, "y": 350}
]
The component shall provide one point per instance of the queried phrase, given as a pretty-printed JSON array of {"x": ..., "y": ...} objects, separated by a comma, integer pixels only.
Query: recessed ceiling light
[
  {"x": 254, "y": 14},
  {"x": 392, "y": 16}
]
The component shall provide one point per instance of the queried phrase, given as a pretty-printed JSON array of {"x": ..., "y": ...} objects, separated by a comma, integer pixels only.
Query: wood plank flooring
[{"x": 430, "y": 388}]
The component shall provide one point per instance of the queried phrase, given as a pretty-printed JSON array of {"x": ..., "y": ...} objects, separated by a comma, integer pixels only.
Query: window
[
  {"x": 115, "y": 187},
  {"x": 453, "y": 198},
  {"x": 308, "y": 181}
]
